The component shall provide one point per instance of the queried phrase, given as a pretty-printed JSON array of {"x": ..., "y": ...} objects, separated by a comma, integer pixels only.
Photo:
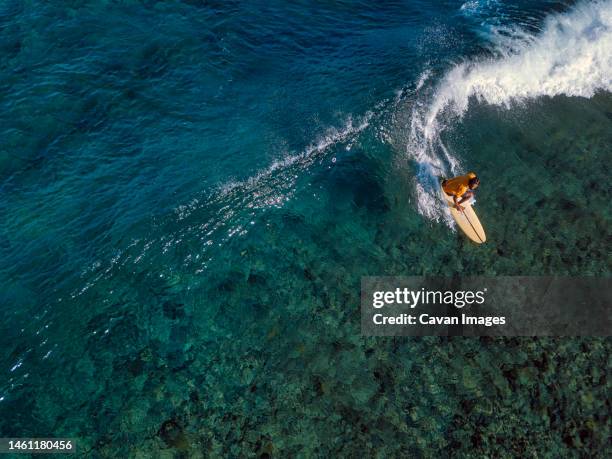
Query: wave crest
[{"x": 571, "y": 56}]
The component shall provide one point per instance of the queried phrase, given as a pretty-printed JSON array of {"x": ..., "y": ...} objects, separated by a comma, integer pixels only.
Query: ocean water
[{"x": 191, "y": 191}]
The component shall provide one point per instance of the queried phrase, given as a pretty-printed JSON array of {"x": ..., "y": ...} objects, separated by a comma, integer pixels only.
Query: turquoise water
[{"x": 191, "y": 192}]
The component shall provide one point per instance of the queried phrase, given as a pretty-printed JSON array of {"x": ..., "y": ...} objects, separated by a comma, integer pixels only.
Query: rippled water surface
[{"x": 191, "y": 191}]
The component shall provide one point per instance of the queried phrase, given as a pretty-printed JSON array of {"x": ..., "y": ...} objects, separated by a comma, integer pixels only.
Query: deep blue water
[{"x": 190, "y": 192}]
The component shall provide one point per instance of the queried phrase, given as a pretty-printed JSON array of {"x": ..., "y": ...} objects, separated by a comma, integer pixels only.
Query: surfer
[{"x": 461, "y": 188}]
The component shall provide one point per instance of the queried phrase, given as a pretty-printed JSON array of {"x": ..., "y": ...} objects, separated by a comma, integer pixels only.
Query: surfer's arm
[
  {"x": 464, "y": 198},
  {"x": 457, "y": 202}
]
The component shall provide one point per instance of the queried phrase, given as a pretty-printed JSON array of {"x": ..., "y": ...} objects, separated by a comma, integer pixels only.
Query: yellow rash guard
[{"x": 459, "y": 185}]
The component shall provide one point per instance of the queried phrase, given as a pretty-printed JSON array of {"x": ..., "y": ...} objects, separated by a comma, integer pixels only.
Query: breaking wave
[{"x": 571, "y": 56}]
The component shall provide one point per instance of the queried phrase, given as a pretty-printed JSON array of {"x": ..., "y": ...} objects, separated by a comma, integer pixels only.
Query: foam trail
[
  {"x": 230, "y": 210},
  {"x": 570, "y": 56},
  {"x": 238, "y": 203},
  {"x": 284, "y": 168}
]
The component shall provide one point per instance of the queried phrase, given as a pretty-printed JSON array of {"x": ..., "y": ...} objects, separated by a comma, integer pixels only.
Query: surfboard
[{"x": 466, "y": 220}]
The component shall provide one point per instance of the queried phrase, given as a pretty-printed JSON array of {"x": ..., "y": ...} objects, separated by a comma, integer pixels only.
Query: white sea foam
[
  {"x": 237, "y": 203},
  {"x": 474, "y": 6},
  {"x": 422, "y": 79},
  {"x": 302, "y": 160},
  {"x": 234, "y": 204},
  {"x": 571, "y": 56}
]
